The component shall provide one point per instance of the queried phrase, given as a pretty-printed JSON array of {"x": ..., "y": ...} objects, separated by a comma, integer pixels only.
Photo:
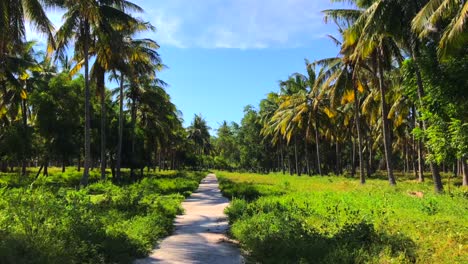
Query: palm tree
[
  {"x": 16, "y": 84},
  {"x": 107, "y": 50},
  {"x": 13, "y": 14},
  {"x": 81, "y": 21},
  {"x": 371, "y": 41},
  {"x": 198, "y": 131},
  {"x": 144, "y": 61},
  {"x": 340, "y": 78},
  {"x": 384, "y": 25},
  {"x": 454, "y": 35}
]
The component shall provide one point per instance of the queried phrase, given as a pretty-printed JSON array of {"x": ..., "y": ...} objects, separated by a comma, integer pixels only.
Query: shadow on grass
[{"x": 357, "y": 243}]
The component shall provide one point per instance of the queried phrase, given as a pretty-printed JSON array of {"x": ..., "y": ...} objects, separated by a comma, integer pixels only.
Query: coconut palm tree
[
  {"x": 454, "y": 34},
  {"x": 82, "y": 20},
  {"x": 198, "y": 131},
  {"x": 13, "y": 14},
  {"x": 383, "y": 28}
]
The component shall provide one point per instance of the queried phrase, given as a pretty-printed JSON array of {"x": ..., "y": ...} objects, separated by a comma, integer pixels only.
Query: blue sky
[{"x": 225, "y": 54}]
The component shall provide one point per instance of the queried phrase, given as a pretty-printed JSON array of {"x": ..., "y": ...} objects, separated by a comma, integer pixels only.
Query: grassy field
[
  {"x": 50, "y": 220},
  {"x": 289, "y": 219}
]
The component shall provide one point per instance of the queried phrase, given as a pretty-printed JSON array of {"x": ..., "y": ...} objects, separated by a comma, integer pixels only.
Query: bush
[{"x": 102, "y": 223}]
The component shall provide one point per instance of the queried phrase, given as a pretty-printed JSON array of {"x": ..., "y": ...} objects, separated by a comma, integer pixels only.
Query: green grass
[
  {"x": 331, "y": 219},
  {"x": 51, "y": 221}
]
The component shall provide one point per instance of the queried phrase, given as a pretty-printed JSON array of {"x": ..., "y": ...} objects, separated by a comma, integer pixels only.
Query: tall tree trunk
[
  {"x": 370, "y": 159},
  {"x": 306, "y": 156},
  {"x": 317, "y": 147},
  {"x": 413, "y": 158},
  {"x": 46, "y": 167},
  {"x": 87, "y": 136},
  {"x": 79, "y": 161},
  {"x": 385, "y": 124},
  {"x": 132, "y": 137},
  {"x": 359, "y": 133},
  {"x": 102, "y": 91},
  {"x": 338, "y": 157},
  {"x": 25, "y": 129},
  {"x": 283, "y": 167},
  {"x": 295, "y": 156},
  {"x": 415, "y": 145},
  {"x": 405, "y": 156},
  {"x": 465, "y": 171},
  {"x": 353, "y": 156},
  {"x": 438, "y": 187},
  {"x": 120, "y": 134},
  {"x": 420, "y": 161}
]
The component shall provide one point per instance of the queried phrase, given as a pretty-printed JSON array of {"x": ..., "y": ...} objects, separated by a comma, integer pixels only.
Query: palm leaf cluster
[
  {"x": 383, "y": 93},
  {"x": 134, "y": 125}
]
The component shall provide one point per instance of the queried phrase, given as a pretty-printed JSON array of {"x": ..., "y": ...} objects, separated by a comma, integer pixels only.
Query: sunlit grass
[{"x": 320, "y": 210}]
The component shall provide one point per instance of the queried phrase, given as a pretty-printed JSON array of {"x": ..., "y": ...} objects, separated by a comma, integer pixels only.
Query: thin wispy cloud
[
  {"x": 239, "y": 24},
  {"x": 233, "y": 24}
]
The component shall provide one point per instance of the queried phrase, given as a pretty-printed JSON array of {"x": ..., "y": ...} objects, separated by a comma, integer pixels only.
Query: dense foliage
[
  {"x": 392, "y": 99},
  {"x": 48, "y": 98},
  {"x": 290, "y": 219},
  {"x": 49, "y": 222}
]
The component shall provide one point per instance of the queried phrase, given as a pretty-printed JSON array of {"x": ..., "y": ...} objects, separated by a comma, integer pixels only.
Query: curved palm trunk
[
  {"x": 119, "y": 140},
  {"x": 87, "y": 137},
  {"x": 385, "y": 126},
  {"x": 317, "y": 148},
  {"x": 359, "y": 133}
]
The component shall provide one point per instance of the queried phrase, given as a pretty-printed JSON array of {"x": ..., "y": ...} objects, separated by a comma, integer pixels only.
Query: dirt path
[{"x": 199, "y": 236}]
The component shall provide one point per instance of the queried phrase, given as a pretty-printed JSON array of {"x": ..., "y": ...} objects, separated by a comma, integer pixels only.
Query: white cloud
[
  {"x": 236, "y": 24},
  {"x": 167, "y": 29},
  {"x": 242, "y": 24}
]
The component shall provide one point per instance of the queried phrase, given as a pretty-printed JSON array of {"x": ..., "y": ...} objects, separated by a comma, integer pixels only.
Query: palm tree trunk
[
  {"x": 132, "y": 138},
  {"x": 119, "y": 140},
  {"x": 295, "y": 156},
  {"x": 317, "y": 147},
  {"x": 306, "y": 156},
  {"x": 438, "y": 187},
  {"x": 338, "y": 158},
  {"x": 370, "y": 154},
  {"x": 465, "y": 171},
  {"x": 283, "y": 167},
  {"x": 359, "y": 133},
  {"x": 79, "y": 161},
  {"x": 87, "y": 137},
  {"x": 385, "y": 125},
  {"x": 25, "y": 128},
  {"x": 353, "y": 156},
  {"x": 102, "y": 91},
  {"x": 413, "y": 157}
]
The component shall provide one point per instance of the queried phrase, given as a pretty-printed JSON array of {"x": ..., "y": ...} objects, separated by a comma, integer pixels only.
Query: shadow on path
[{"x": 199, "y": 235}]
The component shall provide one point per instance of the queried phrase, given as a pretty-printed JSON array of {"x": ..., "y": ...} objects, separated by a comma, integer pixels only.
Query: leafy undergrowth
[
  {"x": 290, "y": 219},
  {"x": 102, "y": 223}
]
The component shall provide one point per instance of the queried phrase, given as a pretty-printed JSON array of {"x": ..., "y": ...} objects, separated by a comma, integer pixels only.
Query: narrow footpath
[{"x": 200, "y": 234}]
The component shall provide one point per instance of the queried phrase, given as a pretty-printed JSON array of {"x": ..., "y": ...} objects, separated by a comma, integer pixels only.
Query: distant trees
[
  {"x": 43, "y": 95},
  {"x": 395, "y": 96}
]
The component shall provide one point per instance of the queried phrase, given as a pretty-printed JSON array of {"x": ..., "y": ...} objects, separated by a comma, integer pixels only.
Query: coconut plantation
[{"x": 329, "y": 131}]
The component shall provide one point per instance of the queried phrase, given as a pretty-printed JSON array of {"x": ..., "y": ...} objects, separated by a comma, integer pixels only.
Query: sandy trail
[{"x": 199, "y": 235}]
